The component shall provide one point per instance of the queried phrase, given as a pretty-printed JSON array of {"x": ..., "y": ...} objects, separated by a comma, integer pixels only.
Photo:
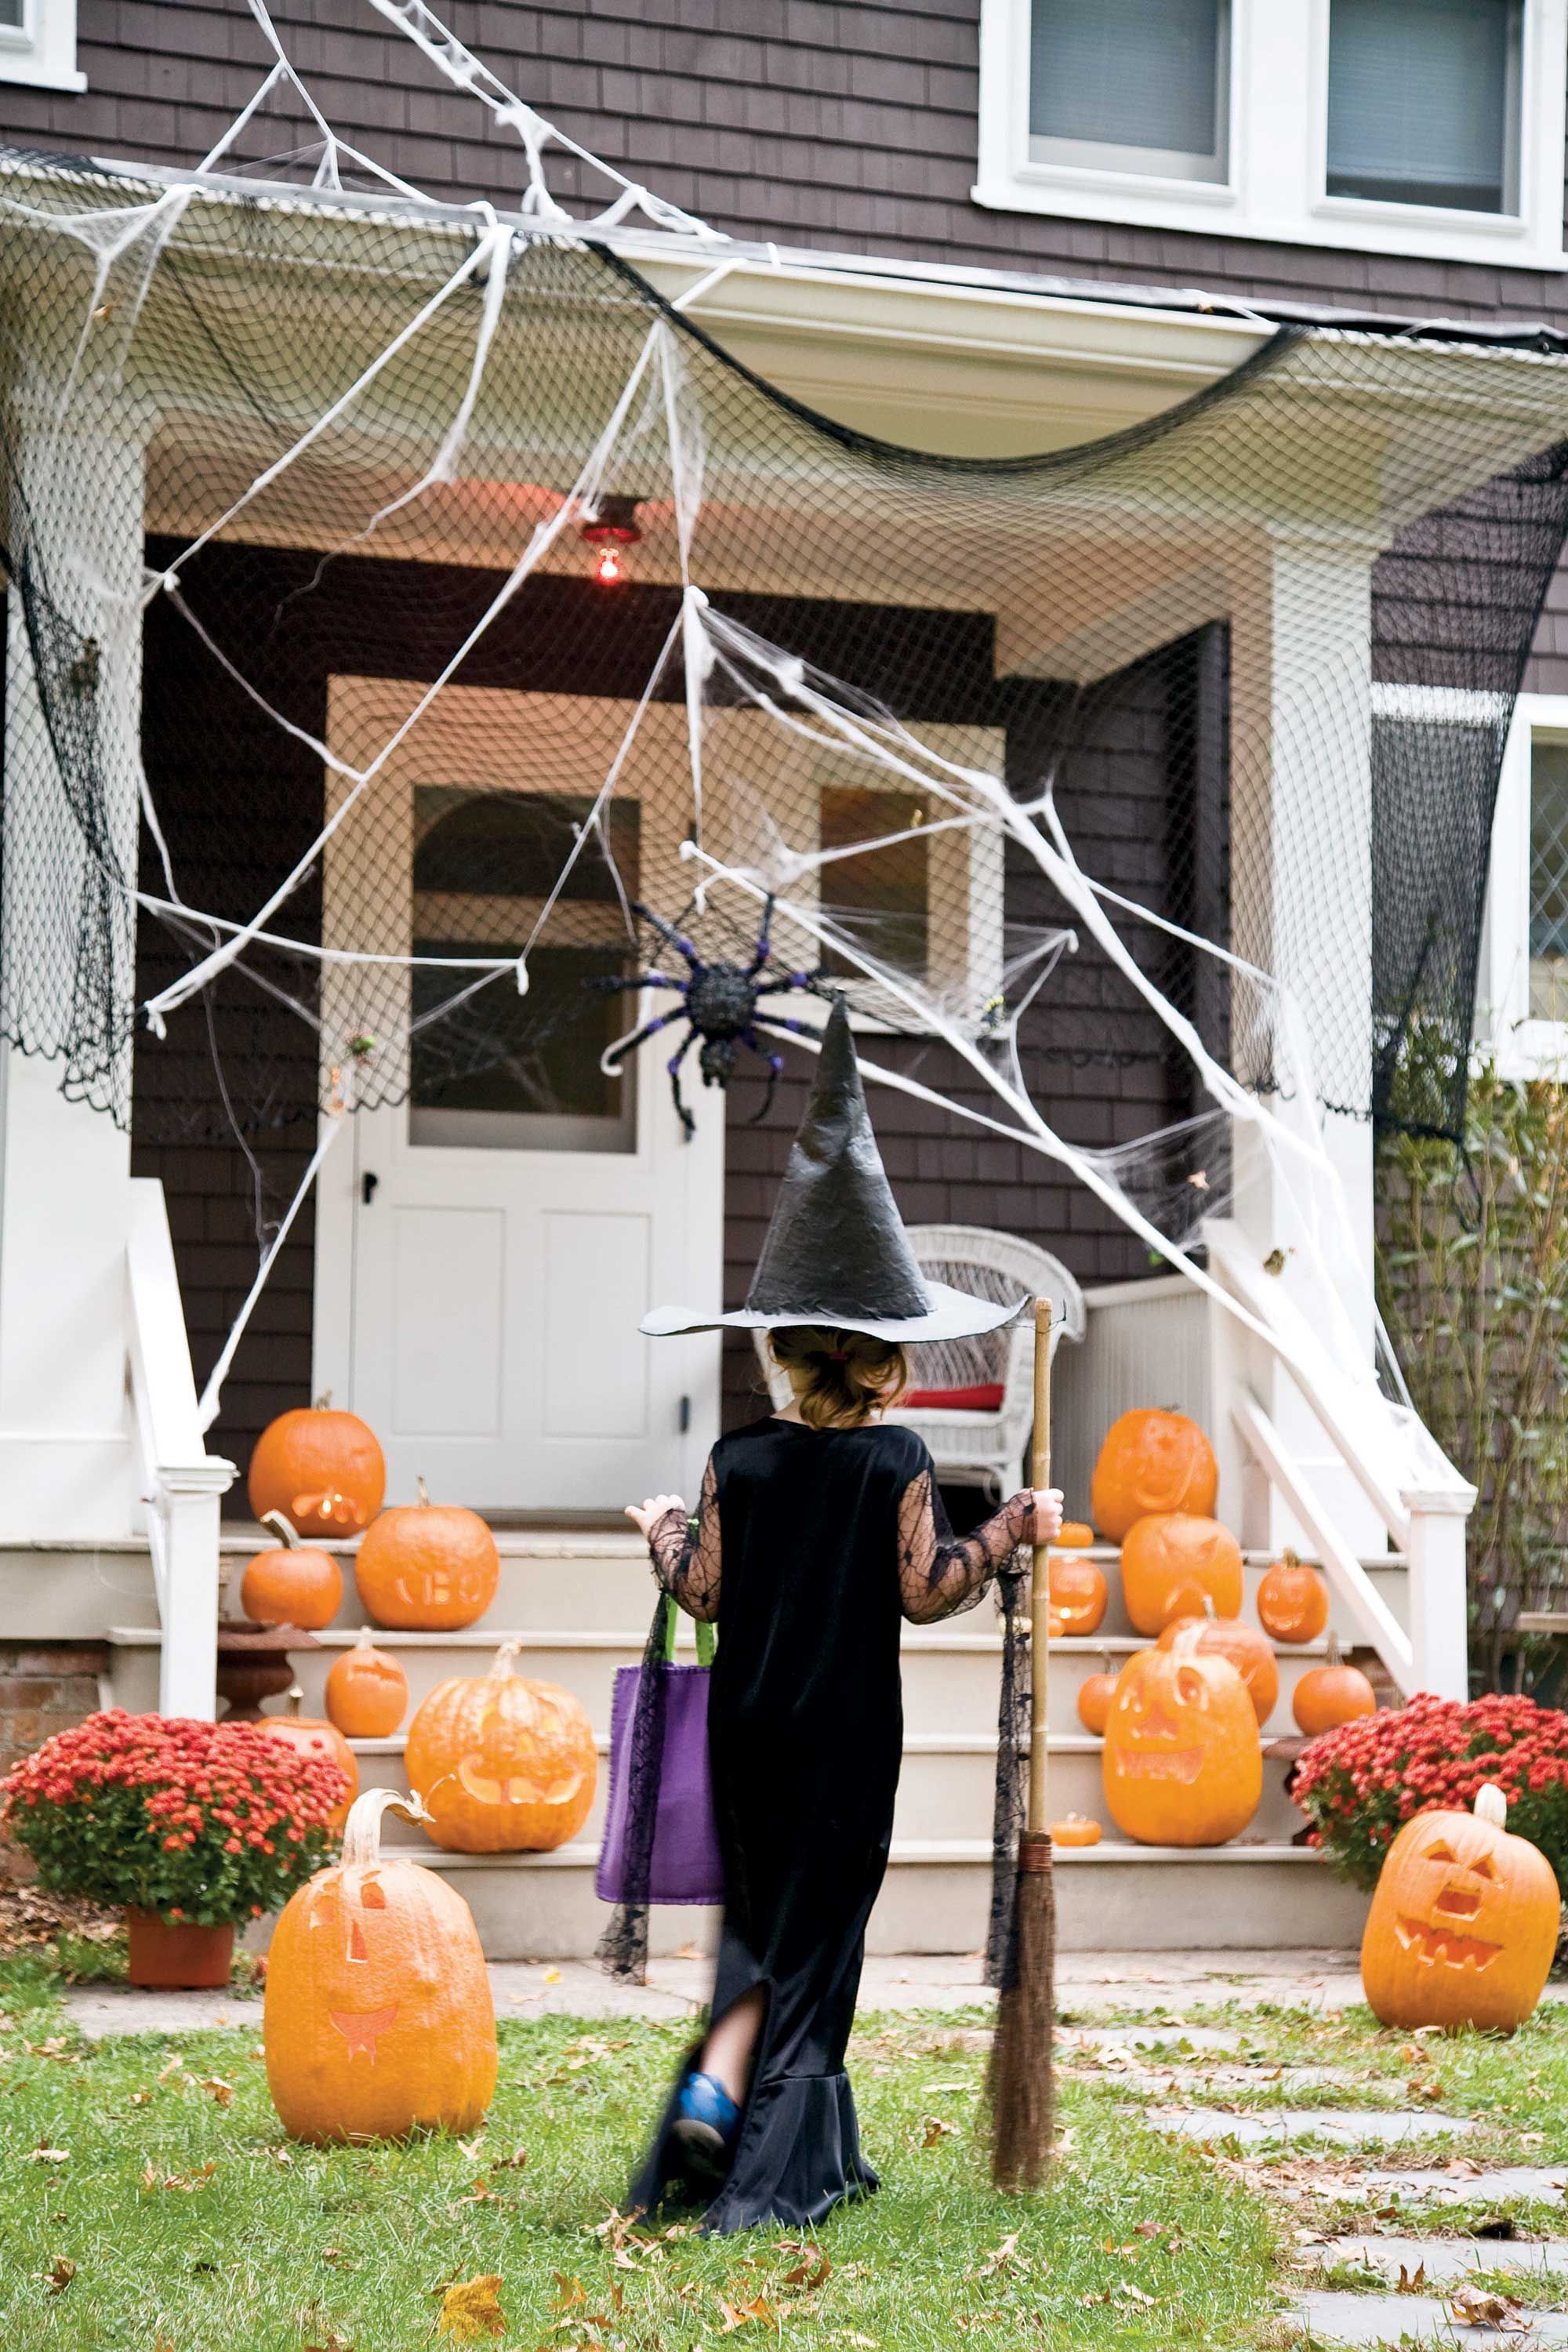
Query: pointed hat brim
[{"x": 955, "y": 1314}]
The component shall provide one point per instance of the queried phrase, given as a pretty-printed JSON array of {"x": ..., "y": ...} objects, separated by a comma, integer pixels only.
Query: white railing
[{"x": 182, "y": 1485}]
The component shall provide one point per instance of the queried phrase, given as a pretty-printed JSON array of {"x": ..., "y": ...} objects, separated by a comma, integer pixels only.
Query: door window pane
[
  {"x": 1549, "y": 881},
  {"x": 14, "y": 16},
  {"x": 1129, "y": 86},
  {"x": 1424, "y": 102},
  {"x": 882, "y": 898}
]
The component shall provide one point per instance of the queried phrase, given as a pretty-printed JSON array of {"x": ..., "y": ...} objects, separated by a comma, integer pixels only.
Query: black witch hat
[{"x": 836, "y": 1250}]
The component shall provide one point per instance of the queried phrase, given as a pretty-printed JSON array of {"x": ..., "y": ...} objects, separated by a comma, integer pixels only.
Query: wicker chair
[{"x": 976, "y": 1448}]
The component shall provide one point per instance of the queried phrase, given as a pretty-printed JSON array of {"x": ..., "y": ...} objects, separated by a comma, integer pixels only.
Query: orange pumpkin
[
  {"x": 1292, "y": 1601},
  {"x": 1078, "y": 1594},
  {"x": 313, "y": 1738},
  {"x": 1075, "y": 1536},
  {"x": 1248, "y": 1651},
  {"x": 428, "y": 1568},
  {"x": 1076, "y": 1829},
  {"x": 378, "y": 2018},
  {"x": 367, "y": 1691},
  {"x": 295, "y": 1585},
  {"x": 504, "y": 1765},
  {"x": 1151, "y": 1461},
  {"x": 1182, "y": 1764},
  {"x": 323, "y": 1470},
  {"x": 1172, "y": 1564},
  {"x": 1463, "y": 1922},
  {"x": 1332, "y": 1693},
  {"x": 1095, "y": 1694}
]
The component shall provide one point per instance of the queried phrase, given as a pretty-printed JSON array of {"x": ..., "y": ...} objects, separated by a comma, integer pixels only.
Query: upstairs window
[
  {"x": 38, "y": 43},
  {"x": 1424, "y": 102},
  {"x": 1131, "y": 86},
  {"x": 1548, "y": 880}
]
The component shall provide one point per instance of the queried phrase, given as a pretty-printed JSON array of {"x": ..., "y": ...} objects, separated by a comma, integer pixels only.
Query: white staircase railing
[{"x": 182, "y": 1485}]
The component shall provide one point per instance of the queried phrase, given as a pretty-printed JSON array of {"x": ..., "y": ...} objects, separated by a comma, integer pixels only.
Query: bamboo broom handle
[{"x": 1039, "y": 1582}]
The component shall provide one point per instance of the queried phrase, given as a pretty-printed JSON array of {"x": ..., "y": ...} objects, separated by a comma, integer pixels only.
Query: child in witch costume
[{"x": 818, "y": 1528}]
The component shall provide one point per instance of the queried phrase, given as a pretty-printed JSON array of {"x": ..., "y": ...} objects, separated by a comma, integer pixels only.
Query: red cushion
[{"x": 986, "y": 1397}]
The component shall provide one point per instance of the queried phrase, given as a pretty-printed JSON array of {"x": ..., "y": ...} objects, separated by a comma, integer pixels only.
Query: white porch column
[{"x": 1439, "y": 1613}]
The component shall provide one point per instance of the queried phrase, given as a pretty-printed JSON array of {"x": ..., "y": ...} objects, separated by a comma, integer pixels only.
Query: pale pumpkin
[
  {"x": 323, "y": 1469},
  {"x": 1075, "y": 1535},
  {"x": 378, "y": 2018},
  {"x": 1151, "y": 1461},
  {"x": 1249, "y": 1652},
  {"x": 1095, "y": 1694},
  {"x": 1173, "y": 1564},
  {"x": 1292, "y": 1601},
  {"x": 1330, "y": 1695},
  {"x": 428, "y": 1568},
  {"x": 1077, "y": 1829},
  {"x": 309, "y": 1736},
  {"x": 1078, "y": 1594},
  {"x": 504, "y": 1765},
  {"x": 367, "y": 1691},
  {"x": 1463, "y": 1922},
  {"x": 1182, "y": 1763},
  {"x": 297, "y": 1584}
]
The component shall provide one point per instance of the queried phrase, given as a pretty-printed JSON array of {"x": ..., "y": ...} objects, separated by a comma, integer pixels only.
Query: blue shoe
[{"x": 706, "y": 2122}]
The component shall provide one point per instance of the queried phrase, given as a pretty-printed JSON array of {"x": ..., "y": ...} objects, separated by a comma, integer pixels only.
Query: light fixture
[{"x": 612, "y": 528}]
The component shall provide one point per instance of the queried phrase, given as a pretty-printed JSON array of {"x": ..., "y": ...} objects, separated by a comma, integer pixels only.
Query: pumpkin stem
[
  {"x": 1491, "y": 1805},
  {"x": 364, "y": 1642},
  {"x": 1209, "y": 1609},
  {"x": 284, "y": 1529},
  {"x": 296, "y": 1701},
  {"x": 422, "y": 1494},
  {"x": 1336, "y": 1655},
  {"x": 501, "y": 1664},
  {"x": 323, "y": 1404},
  {"x": 1289, "y": 1559},
  {"x": 362, "y": 1831},
  {"x": 1187, "y": 1641}
]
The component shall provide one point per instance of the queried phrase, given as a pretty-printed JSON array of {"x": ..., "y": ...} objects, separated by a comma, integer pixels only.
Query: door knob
[{"x": 367, "y": 1184}]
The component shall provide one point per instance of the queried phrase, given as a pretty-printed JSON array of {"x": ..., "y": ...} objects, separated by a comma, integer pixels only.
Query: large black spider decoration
[{"x": 719, "y": 1003}]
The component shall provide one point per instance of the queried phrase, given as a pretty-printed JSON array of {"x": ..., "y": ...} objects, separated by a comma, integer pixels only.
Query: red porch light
[{"x": 611, "y": 529}]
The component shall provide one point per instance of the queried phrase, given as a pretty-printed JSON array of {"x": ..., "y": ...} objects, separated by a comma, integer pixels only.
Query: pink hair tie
[{"x": 838, "y": 1355}]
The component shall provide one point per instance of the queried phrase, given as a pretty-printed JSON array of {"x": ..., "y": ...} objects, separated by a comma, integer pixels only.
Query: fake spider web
[{"x": 1137, "y": 795}]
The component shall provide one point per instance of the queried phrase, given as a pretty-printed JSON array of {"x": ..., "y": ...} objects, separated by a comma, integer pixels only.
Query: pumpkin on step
[
  {"x": 311, "y": 1736},
  {"x": 1078, "y": 1595},
  {"x": 367, "y": 1691},
  {"x": 1182, "y": 1764},
  {"x": 1249, "y": 1652},
  {"x": 1151, "y": 1461},
  {"x": 1075, "y": 1534},
  {"x": 1292, "y": 1601},
  {"x": 297, "y": 1584},
  {"x": 503, "y": 1766},
  {"x": 1076, "y": 1829},
  {"x": 378, "y": 2018},
  {"x": 1463, "y": 1922},
  {"x": 428, "y": 1568},
  {"x": 323, "y": 1470},
  {"x": 1332, "y": 1694},
  {"x": 1095, "y": 1694},
  {"x": 1173, "y": 1564}
]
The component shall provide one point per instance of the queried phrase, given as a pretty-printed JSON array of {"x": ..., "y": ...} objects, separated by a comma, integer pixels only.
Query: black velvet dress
[{"x": 809, "y": 1546}]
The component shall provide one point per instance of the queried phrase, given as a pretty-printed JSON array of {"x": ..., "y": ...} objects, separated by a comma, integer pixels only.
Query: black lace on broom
[{"x": 1012, "y": 1726}]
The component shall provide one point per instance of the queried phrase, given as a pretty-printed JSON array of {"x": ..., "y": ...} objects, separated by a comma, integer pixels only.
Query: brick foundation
[{"x": 45, "y": 1687}]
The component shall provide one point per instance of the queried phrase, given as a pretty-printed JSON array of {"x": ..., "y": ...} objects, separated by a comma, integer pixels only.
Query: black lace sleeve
[
  {"x": 941, "y": 1573},
  {"x": 686, "y": 1553}
]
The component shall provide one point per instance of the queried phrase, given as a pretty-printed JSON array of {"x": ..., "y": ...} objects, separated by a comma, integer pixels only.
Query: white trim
[
  {"x": 1523, "y": 1049},
  {"x": 1274, "y": 188},
  {"x": 40, "y": 52}
]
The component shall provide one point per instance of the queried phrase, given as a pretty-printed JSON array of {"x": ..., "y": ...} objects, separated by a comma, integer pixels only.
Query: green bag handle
[{"x": 707, "y": 1637}]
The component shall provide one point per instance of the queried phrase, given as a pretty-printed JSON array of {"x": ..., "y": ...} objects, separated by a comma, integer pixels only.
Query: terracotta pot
[{"x": 171, "y": 1952}]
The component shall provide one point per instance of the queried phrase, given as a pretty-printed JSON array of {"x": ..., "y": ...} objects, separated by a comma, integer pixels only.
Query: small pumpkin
[
  {"x": 1293, "y": 1600},
  {"x": 1249, "y": 1652},
  {"x": 323, "y": 1469},
  {"x": 1078, "y": 1594},
  {"x": 378, "y": 2018},
  {"x": 504, "y": 1765},
  {"x": 1182, "y": 1763},
  {"x": 1175, "y": 1563},
  {"x": 1076, "y": 1829},
  {"x": 1075, "y": 1535},
  {"x": 297, "y": 1584},
  {"x": 1095, "y": 1694},
  {"x": 311, "y": 1736},
  {"x": 428, "y": 1568},
  {"x": 1331, "y": 1693},
  {"x": 1463, "y": 1922},
  {"x": 367, "y": 1691},
  {"x": 1151, "y": 1461}
]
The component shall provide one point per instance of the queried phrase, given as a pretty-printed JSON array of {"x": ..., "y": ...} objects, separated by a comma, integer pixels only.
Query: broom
[{"x": 1021, "y": 2087}]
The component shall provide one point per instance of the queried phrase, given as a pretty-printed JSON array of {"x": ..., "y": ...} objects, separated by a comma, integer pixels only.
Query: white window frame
[
  {"x": 1523, "y": 1047},
  {"x": 1275, "y": 187},
  {"x": 40, "y": 51}
]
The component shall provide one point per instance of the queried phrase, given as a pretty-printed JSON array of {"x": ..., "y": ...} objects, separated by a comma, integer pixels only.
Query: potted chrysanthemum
[{"x": 192, "y": 1827}]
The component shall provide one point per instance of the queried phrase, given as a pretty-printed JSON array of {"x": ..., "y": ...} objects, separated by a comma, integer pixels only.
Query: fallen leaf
[
  {"x": 1412, "y": 2281},
  {"x": 480, "y": 2194},
  {"x": 185, "y": 2180},
  {"x": 569, "y": 2293},
  {"x": 552, "y": 1976},
  {"x": 471, "y": 2309},
  {"x": 59, "y": 2274},
  {"x": 936, "y": 2131},
  {"x": 1473, "y": 2306},
  {"x": 333, "y": 2343},
  {"x": 1462, "y": 2167},
  {"x": 222, "y": 2092},
  {"x": 338, "y": 2258},
  {"x": 281, "y": 2156},
  {"x": 809, "y": 2274},
  {"x": 142, "y": 2099},
  {"x": 42, "y": 2155},
  {"x": 512, "y": 2163},
  {"x": 1003, "y": 2257}
]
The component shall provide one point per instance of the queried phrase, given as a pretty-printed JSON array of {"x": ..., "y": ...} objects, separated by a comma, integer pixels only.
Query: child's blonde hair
[{"x": 845, "y": 1374}]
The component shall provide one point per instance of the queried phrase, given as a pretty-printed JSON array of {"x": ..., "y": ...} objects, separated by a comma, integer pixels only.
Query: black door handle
[{"x": 367, "y": 1184}]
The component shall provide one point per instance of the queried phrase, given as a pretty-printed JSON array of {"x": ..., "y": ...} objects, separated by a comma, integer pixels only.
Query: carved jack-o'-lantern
[
  {"x": 323, "y": 1470},
  {"x": 310, "y": 1736},
  {"x": 1078, "y": 1594},
  {"x": 428, "y": 1566},
  {"x": 1151, "y": 1461},
  {"x": 379, "y": 2018},
  {"x": 1174, "y": 1565},
  {"x": 1181, "y": 1762},
  {"x": 504, "y": 1765},
  {"x": 1464, "y": 1922},
  {"x": 1249, "y": 1652}
]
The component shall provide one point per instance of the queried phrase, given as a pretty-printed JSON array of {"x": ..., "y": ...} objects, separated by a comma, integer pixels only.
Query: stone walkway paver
[
  {"x": 1341, "y": 2126},
  {"x": 1542, "y": 2183},
  {"x": 1445, "y": 2259},
  {"x": 1394, "y": 2319}
]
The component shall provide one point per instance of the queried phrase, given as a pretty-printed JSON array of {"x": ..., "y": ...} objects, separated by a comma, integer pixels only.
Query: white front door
[{"x": 487, "y": 1244}]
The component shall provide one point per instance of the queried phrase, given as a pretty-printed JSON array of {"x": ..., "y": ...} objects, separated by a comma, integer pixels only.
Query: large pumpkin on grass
[
  {"x": 367, "y": 1691},
  {"x": 1330, "y": 1695},
  {"x": 1181, "y": 1762},
  {"x": 378, "y": 2018},
  {"x": 1174, "y": 1564},
  {"x": 1463, "y": 1924},
  {"x": 309, "y": 1736},
  {"x": 504, "y": 1765},
  {"x": 1078, "y": 1594},
  {"x": 323, "y": 1470},
  {"x": 1249, "y": 1652},
  {"x": 428, "y": 1568},
  {"x": 296, "y": 1584},
  {"x": 1151, "y": 1461},
  {"x": 1293, "y": 1600}
]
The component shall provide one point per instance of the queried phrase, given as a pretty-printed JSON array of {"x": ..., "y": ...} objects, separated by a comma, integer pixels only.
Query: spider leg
[
  {"x": 612, "y": 1057},
  {"x": 749, "y": 1038},
  {"x": 782, "y": 1026},
  {"x": 671, "y": 936},
  {"x": 673, "y": 1066},
  {"x": 764, "y": 944},
  {"x": 609, "y": 987},
  {"x": 814, "y": 982}
]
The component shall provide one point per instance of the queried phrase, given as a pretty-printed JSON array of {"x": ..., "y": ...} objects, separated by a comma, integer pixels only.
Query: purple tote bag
[{"x": 686, "y": 1865}]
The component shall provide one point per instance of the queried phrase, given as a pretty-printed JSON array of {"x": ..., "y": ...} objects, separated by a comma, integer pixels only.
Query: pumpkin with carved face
[
  {"x": 1078, "y": 1594},
  {"x": 1463, "y": 1924},
  {"x": 1249, "y": 1652},
  {"x": 428, "y": 1568},
  {"x": 308, "y": 1735},
  {"x": 323, "y": 1470},
  {"x": 379, "y": 2018},
  {"x": 1182, "y": 1764},
  {"x": 1174, "y": 1564},
  {"x": 1151, "y": 1461},
  {"x": 503, "y": 1766}
]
